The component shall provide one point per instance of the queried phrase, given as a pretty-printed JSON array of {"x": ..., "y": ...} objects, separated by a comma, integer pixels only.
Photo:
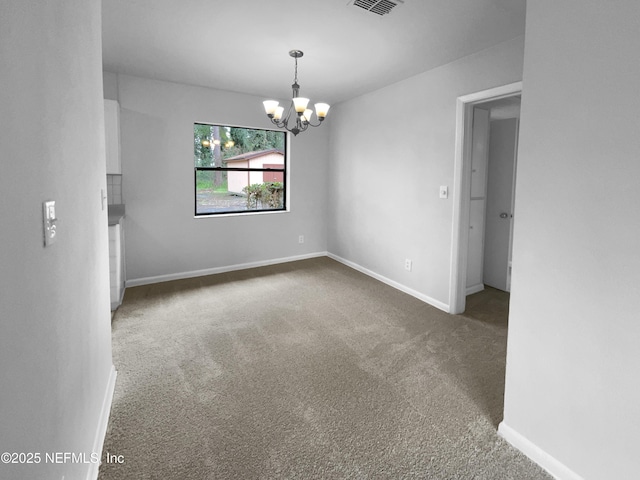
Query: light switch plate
[
  {"x": 49, "y": 222},
  {"x": 444, "y": 191}
]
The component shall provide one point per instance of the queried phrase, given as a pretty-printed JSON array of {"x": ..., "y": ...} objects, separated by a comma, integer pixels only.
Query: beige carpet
[{"x": 307, "y": 370}]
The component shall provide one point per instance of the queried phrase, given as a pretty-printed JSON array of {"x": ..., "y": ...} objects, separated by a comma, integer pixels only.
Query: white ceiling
[{"x": 243, "y": 45}]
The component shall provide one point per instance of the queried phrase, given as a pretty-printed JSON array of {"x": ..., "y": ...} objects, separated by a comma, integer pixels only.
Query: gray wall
[
  {"x": 110, "y": 85},
  {"x": 390, "y": 152},
  {"x": 162, "y": 237},
  {"x": 55, "y": 344},
  {"x": 572, "y": 388}
]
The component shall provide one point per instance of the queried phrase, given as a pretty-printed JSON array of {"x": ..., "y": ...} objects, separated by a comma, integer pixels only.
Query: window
[{"x": 239, "y": 170}]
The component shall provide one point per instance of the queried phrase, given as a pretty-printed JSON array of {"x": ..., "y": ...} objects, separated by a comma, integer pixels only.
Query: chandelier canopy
[{"x": 302, "y": 115}]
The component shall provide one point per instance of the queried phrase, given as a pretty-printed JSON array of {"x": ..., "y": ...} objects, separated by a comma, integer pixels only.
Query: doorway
[
  {"x": 476, "y": 199},
  {"x": 493, "y": 168}
]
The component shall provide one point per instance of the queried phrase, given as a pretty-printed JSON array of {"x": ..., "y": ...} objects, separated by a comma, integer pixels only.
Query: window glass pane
[
  {"x": 238, "y": 169},
  {"x": 213, "y": 195}
]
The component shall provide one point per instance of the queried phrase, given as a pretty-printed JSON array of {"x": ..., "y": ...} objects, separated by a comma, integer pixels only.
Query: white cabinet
[
  {"x": 116, "y": 265},
  {"x": 112, "y": 136}
]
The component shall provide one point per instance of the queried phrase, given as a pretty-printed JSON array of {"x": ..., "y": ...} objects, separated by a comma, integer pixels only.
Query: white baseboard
[
  {"x": 103, "y": 422},
  {"x": 556, "y": 468},
  {"x": 242, "y": 266},
  {"x": 414, "y": 293},
  {"x": 212, "y": 271},
  {"x": 475, "y": 288}
]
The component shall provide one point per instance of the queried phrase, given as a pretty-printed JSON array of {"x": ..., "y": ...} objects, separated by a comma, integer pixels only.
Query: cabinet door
[{"x": 112, "y": 136}]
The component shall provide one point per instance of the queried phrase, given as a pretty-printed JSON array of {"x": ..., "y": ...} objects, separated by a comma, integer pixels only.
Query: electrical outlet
[
  {"x": 407, "y": 265},
  {"x": 301, "y": 239}
]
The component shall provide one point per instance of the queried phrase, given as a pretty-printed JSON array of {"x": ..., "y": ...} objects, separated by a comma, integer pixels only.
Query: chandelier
[{"x": 302, "y": 117}]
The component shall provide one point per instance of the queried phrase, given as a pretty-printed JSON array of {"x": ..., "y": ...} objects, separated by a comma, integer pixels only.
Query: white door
[
  {"x": 479, "y": 159},
  {"x": 499, "y": 207}
]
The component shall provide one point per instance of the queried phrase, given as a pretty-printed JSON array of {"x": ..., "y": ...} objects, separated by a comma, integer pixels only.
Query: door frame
[{"x": 462, "y": 185}]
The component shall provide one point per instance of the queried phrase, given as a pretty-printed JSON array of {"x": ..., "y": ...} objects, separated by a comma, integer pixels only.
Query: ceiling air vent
[{"x": 379, "y": 7}]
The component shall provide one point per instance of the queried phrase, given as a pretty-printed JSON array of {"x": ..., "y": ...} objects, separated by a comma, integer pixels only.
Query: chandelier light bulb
[
  {"x": 300, "y": 104},
  {"x": 306, "y": 115},
  {"x": 270, "y": 106},
  {"x": 321, "y": 110}
]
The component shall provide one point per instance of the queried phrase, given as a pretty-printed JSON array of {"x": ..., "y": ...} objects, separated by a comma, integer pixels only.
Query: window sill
[{"x": 239, "y": 214}]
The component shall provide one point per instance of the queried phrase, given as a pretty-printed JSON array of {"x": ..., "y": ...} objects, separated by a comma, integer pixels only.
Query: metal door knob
[{"x": 504, "y": 215}]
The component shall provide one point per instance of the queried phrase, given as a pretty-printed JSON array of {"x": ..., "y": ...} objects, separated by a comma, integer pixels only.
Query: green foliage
[
  {"x": 254, "y": 194},
  {"x": 275, "y": 139},
  {"x": 203, "y": 181},
  {"x": 274, "y": 194},
  {"x": 203, "y": 155},
  {"x": 265, "y": 195}
]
